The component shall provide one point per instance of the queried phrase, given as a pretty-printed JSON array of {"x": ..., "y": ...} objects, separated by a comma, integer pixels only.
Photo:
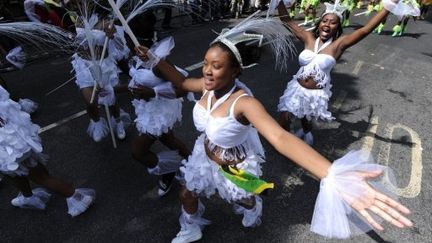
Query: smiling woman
[
  {"x": 308, "y": 93},
  {"x": 228, "y": 154}
]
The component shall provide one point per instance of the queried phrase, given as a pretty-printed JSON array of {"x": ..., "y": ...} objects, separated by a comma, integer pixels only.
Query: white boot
[
  {"x": 37, "y": 201},
  {"x": 191, "y": 226},
  {"x": 80, "y": 201},
  {"x": 251, "y": 217},
  {"x": 98, "y": 130},
  {"x": 308, "y": 138}
]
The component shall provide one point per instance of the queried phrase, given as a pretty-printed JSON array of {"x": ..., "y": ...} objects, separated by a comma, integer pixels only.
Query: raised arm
[
  {"x": 299, "y": 32},
  {"x": 170, "y": 73},
  {"x": 343, "y": 182},
  {"x": 351, "y": 39}
]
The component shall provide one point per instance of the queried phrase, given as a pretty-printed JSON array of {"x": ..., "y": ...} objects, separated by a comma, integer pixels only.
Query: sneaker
[
  {"x": 37, "y": 201},
  {"x": 120, "y": 131},
  {"x": 188, "y": 233},
  {"x": 165, "y": 183},
  {"x": 308, "y": 138},
  {"x": 80, "y": 201}
]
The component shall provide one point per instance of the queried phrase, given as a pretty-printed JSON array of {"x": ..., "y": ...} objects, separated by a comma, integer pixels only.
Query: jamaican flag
[{"x": 245, "y": 180}]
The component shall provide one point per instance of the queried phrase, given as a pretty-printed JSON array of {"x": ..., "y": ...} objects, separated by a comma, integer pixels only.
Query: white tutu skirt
[
  {"x": 157, "y": 116},
  {"x": 19, "y": 138},
  {"x": 201, "y": 175},
  {"x": 84, "y": 77},
  {"x": 27, "y": 161},
  {"x": 302, "y": 102}
]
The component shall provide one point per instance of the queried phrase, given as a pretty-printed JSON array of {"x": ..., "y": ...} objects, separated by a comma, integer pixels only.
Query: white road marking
[
  {"x": 369, "y": 138},
  {"x": 62, "y": 121},
  {"x": 414, "y": 186},
  {"x": 357, "y": 67}
]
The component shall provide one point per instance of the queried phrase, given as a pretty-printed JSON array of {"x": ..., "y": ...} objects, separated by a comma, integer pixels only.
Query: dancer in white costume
[
  {"x": 91, "y": 32},
  {"x": 227, "y": 156},
  {"x": 21, "y": 159},
  {"x": 158, "y": 110},
  {"x": 307, "y": 94}
]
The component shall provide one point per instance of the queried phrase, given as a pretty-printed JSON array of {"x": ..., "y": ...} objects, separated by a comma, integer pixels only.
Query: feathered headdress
[
  {"x": 335, "y": 8},
  {"x": 255, "y": 29}
]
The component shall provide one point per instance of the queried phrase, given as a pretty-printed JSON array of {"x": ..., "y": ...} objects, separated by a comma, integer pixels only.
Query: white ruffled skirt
[
  {"x": 157, "y": 116},
  {"x": 84, "y": 77},
  {"x": 302, "y": 102},
  {"x": 201, "y": 175},
  {"x": 19, "y": 140},
  {"x": 24, "y": 163}
]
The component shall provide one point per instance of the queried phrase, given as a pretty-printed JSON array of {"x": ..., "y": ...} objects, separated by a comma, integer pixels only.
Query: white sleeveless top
[
  {"x": 316, "y": 65},
  {"x": 227, "y": 138}
]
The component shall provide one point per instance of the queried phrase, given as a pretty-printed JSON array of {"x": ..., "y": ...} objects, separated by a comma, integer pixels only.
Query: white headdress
[
  {"x": 256, "y": 30},
  {"x": 335, "y": 8}
]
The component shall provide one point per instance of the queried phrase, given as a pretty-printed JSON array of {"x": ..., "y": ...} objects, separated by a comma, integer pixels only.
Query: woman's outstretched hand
[
  {"x": 380, "y": 204},
  {"x": 348, "y": 194}
]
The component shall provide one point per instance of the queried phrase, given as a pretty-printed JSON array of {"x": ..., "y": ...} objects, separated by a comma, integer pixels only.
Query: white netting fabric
[{"x": 333, "y": 216}]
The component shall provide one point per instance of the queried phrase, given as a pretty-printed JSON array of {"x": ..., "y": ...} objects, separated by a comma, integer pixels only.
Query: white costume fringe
[
  {"x": 20, "y": 144},
  {"x": 28, "y": 105},
  {"x": 333, "y": 217},
  {"x": 84, "y": 77},
  {"x": 98, "y": 129},
  {"x": 80, "y": 201},
  {"x": 202, "y": 176},
  {"x": 302, "y": 102},
  {"x": 157, "y": 116}
]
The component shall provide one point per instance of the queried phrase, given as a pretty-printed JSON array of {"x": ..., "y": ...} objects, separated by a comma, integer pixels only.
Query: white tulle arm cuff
[
  {"x": 402, "y": 7},
  {"x": 333, "y": 217}
]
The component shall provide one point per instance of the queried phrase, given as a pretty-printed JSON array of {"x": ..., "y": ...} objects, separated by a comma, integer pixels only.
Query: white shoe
[
  {"x": 308, "y": 138},
  {"x": 251, "y": 217},
  {"x": 188, "y": 233},
  {"x": 80, "y": 201},
  {"x": 98, "y": 130},
  {"x": 120, "y": 131},
  {"x": 165, "y": 183},
  {"x": 37, "y": 201}
]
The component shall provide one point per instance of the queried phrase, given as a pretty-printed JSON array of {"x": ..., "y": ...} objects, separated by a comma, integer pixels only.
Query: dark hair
[
  {"x": 338, "y": 32},
  {"x": 249, "y": 53}
]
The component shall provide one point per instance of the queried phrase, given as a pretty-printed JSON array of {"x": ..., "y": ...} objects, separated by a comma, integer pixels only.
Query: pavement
[{"x": 381, "y": 100}]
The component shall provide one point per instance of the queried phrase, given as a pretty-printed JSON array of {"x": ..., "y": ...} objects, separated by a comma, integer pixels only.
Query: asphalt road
[{"x": 381, "y": 100}]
